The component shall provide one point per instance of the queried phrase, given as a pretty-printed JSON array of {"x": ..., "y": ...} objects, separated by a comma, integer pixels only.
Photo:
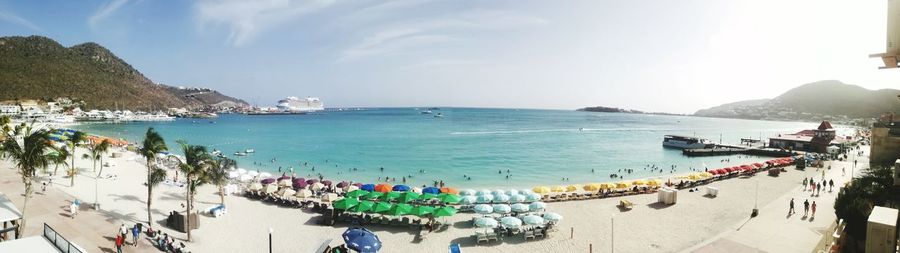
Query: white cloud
[
  {"x": 104, "y": 11},
  {"x": 15, "y": 19},
  {"x": 247, "y": 19},
  {"x": 411, "y": 34}
]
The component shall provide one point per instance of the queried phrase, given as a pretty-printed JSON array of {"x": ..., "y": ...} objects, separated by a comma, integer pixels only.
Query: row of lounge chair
[
  {"x": 366, "y": 219},
  {"x": 286, "y": 203},
  {"x": 594, "y": 195}
]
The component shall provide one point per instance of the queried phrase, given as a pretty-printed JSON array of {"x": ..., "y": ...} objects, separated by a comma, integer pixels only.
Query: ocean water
[{"x": 538, "y": 147}]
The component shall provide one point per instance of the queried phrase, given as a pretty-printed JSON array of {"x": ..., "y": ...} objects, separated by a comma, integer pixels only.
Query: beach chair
[
  {"x": 528, "y": 234},
  {"x": 538, "y": 232},
  {"x": 479, "y": 237},
  {"x": 493, "y": 236},
  {"x": 385, "y": 221},
  {"x": 625, "y": 204},
  {"x": 454, "y": 248}
]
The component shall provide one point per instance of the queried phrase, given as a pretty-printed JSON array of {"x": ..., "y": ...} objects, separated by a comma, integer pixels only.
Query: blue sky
[{"x": 656, "y": 55}]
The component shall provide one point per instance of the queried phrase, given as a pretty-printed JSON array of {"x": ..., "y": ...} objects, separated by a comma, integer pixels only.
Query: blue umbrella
[
  {"x": 400, "y": 188},
  {"x": 362, "y": 240},
  {"x": 432, "y": 190},
  {"x": 367, "y": 187}
]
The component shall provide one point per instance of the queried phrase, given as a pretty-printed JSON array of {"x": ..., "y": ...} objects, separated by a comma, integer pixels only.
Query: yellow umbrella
[
  {"x": 606, "y": 186},
  {"x": 541, "y": 190},
  {"x": 706, "y": 174},
  {"x": 591, "y": 187},
  {"x": 638, "y": 182},
  {"x": 694, "y": 176},
  {"x": 573, "y": 187},
  {"x": 623, "y": 185},
  {"x": 558, "y": 188},
  {"x": 654, "y": 182}
]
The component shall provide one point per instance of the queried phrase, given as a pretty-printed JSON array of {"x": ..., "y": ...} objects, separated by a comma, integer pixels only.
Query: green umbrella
[
  {"x": 444, "y": 211},
  {"x": 427, "y": 196},
  {"x": 422, "y": 210},
  {"x": 406, "y": 197},
  {"x": 356, "y": 193},
  {"x": 381, "y": 207},
  {"x": 390, "y": 196},
  {"x": 449, "y": 198},
  {"x": 373, "y": 195},
  {"x": 346, "y": 203},
  {"x": 400, "y": 209},
  {"x": 363, "y": 206}
]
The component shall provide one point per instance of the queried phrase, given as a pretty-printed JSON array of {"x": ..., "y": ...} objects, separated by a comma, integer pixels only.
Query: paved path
[{"x": 774, "y": 230}]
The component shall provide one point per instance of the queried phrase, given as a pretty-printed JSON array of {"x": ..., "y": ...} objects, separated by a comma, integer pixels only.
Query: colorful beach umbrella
[
  {"x": 356, "y": 193},
  {"x": 427, "y": 196},
  {"x": 363, "y": 206},
  {"x": 550, "y": 216},
  {"x": 444, "y": 211},
  {"x": 422, "y": 210},
  {"x": 591, "y": 187},
  {"x": 638, "y": 182},
  {"x": 383, "y": 188},
  {"x": 572, "y": 188},
  {"x": 345, "y": 203},
  {"x": 468, "y": 200},
  {"x": 367, "y": 187},
  {"x": 361, "y": 240},
  {"x": 449, "y": 198},
  {"x": 519, "y": 208},
  {"x": 400, "y": 209},
  {"x": 558, "y": 188},
  {"x": 326, "y": 182},
  {"x": 267, "y": 181},
  {"x": 400, "y": 188},
  {"x": 450, "y": 190},
  {"x": 343, "y": 184},
  {"x": 432, "y": 190},
  {"x": 381, "y": 207},
  {"x": 623, "y": 185},
  {"x": 537, "y": 206},
  {"x": 312, "y": 181},
  {"x": 391, "y": 196},
  {"x": 654, "y": 182},
  {"x": 483, "y": 209},
  {"x": 373, "y": 195},
  {"x": 409, "y": 196},
  {"x": 541, "y": 190}
]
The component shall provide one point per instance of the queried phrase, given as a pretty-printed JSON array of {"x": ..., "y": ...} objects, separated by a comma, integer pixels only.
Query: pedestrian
[
  {"x": 830, "y": 184},
  {"x": 805, "y": 208},
  {"x": 814, "y": 209},
  {"x": 135, "y": 233},
  {"x": 119, "y": 241},
  {"x": 73, "y": 209},
  {"x": 843, "y": 171},
  {"x": 818, "y": 188},
  {"x": 791, "y": 211},
  {"x": 44, "y": 188},
  {"x": 123, "y": 230},
  {"x": 805, "y": 185}
]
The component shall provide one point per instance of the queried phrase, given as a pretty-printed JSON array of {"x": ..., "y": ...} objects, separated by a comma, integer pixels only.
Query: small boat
[
  {"x": 216, "y": 152},
  {"x": 686, "y": 142},
  {"x": 425, "y": 112},
  {"x": 239, "y": 153},
  {"x": 249, "y": 150},
  {"x": 439, "y": 115}
]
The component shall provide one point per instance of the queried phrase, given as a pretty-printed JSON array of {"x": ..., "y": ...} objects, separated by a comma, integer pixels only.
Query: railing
[{"x": 60, "y": 242}]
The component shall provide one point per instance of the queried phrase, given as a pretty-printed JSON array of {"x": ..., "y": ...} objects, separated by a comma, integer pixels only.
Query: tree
[
  {"x": 29, "y": 154},
  {"x": 96, "y": 152},
  {"x": 77, "y": 138},
  {"x": 60, "y": 157},
  {"x": 195, "y": 165},
  {"x": 153, "y": 145},
  {"x": 854, "y": 203},
  {"x": 218, "y": 174}
]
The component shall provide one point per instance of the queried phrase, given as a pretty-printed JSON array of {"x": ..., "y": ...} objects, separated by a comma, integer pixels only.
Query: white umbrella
[
  {"x": 287, "y": 192},
  {"x": 536, "y": 206},
  {"x": 271, "y": 188},
  {"x": 533, "y": 220},
  {"x": 511, "y": 222},
  {"x": 245, "y": 178},
  {"x": 233, "y": 174},
  {"x": 532, "y": 197},
  {"x": 468, "y": 200},
  {"x": 552, "y": 216},
  {"x": 255, "y": 186},
  {"x": 351, "y": 188},
  {"x": 485, "y": 198},
  {"x": 265, "y": 175},
  {"x": 485, "y": 222},
  {"x": 483, "y": 209},
  {"x": 467, "y": 192},
  {"x": 498, "y": 192},
  {"x": 519, "y": 207},
  {"x": 501, "y": 208},
  {"x": 483, "y": 192},
  {"x": 253, "y": 173},
  {"x": 303, "y": 193},
  {"x": 525, "y": 191},
  {"x": 502, "y": 198},
  {"x": 512, "y": 192},
  {"x": 416, "y": 190},
  {"x": 330, "y": 197},
  {"x": 518, "y": 198},
  {"x": 241, "y": 171},
  {"x": 316, "y": 186}
]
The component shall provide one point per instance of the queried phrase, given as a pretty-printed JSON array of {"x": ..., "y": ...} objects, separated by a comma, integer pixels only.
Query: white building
[{"x": 10, "y": 109}]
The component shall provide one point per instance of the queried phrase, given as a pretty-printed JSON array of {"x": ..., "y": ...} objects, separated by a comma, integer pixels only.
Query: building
[
  {"x": 885, "y": 147},
  {"x": 10, "y": 109},
  {"x": 881, "y": 231},
  {"x": 812, "y": 140}
]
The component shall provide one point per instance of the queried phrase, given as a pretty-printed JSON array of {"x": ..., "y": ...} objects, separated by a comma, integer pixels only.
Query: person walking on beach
[
  {"x": 814, "y": 209},
  {"x": 805, "y": 208},
  {"x": 791, "y": 211},
  {"x": 135, "y": 233}
]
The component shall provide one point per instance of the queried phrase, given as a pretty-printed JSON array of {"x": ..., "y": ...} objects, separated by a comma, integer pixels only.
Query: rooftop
[
  {"x": 8, "y": 211},
  {"x": 883, "y": 215},
  {"x": 34, "y": 244}
]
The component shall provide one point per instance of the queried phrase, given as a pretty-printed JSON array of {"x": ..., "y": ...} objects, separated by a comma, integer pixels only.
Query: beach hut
[{"x": 361, "y": 240}]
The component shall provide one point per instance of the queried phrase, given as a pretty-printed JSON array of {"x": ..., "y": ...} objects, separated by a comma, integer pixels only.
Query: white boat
[
  {"x": 686, "y": 142},
  {"x": 240, "y": 153},
  {"x": 294, "y": 104},
  {"x": 439, "y": 115},
  {"x": 249, "y": 150},
  {"x": 425, "y": 112}
]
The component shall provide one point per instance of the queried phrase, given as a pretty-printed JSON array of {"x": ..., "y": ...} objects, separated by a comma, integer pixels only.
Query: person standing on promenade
[
  {"x": 805, "y": 208},
  {"x": 814, "y": 209},
  {"x": 791, "y": 211}
]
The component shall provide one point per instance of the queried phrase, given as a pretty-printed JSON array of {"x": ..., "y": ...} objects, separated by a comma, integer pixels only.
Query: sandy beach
[{"x": 693, "y": 222}]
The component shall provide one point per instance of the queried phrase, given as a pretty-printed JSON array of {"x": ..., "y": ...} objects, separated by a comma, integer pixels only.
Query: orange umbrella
[
  {"x": 383, "y": 188},
  {"x": 450, "y": 190}
]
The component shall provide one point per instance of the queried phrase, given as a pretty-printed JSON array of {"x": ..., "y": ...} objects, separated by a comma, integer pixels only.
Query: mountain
[
  {"x": 37, "y": 67},
  {"x": 607, "y": 109},
  {"x": 813, "y": 101}
]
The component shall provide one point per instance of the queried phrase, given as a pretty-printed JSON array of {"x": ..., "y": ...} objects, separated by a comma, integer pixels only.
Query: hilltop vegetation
[{"x": 37, "y": 67}]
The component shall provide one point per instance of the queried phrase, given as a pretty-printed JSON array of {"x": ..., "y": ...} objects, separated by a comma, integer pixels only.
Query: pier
[{"x": 723, "y": 149}]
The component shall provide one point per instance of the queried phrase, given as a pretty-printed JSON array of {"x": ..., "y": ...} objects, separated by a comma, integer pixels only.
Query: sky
[{"x": 651, "y": 55}]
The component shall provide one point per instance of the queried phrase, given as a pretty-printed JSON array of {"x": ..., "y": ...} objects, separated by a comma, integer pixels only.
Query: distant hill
[
  {"x": 814, "y": 101},
  {"x": 37, "y": 67},
  {"x": 607, "y": 109}
]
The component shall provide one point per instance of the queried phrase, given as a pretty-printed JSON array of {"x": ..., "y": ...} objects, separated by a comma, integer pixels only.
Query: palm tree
[
  {"x": 195, "y": 165},
  {"x": 153, "y": 145},
  {"x": 59, "y": 157},
  {"x": 218, "y": 174},
  {"x": 73, "y": 142},
  {"x": 29, "y": 154},
  {"x": 96, "y": 153}
]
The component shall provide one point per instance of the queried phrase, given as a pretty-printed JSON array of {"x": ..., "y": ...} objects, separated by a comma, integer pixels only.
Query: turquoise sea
[{"x": 538, "y": 147}]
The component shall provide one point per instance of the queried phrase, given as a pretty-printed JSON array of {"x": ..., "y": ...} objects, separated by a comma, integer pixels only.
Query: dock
[{"x": 722, "y": 149}]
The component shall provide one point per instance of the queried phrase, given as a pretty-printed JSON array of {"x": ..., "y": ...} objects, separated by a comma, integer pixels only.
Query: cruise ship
[
  {"x": 686, "y": 142},
  {"x": 294, "y": 104}
]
